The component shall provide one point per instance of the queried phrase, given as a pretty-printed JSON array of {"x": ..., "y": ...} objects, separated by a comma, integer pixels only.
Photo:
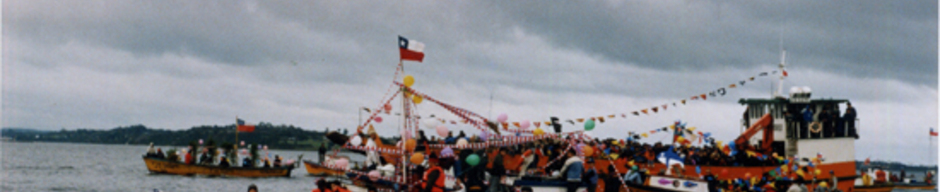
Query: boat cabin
[{"x": 801, "y": 126}]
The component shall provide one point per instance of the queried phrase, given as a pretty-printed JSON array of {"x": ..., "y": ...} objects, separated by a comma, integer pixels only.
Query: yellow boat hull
[
  {"x": 316, "y": 169},
  {"x": 163, "y": 166}
]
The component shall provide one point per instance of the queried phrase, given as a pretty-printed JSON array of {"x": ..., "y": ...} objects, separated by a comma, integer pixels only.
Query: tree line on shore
[{"x": 274, "y": 136}]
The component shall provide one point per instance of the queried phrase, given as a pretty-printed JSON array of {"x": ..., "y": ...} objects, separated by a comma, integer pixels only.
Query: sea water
[{"x": 95, "y": 167}]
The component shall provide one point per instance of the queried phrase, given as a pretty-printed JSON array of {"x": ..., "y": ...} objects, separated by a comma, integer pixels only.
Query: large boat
[
  {"x": 813, "y": 150},
  {"x": 164, "y": 166}
]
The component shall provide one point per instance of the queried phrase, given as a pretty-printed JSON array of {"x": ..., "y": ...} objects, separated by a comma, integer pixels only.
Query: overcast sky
[{"x": 313, "y": 64}]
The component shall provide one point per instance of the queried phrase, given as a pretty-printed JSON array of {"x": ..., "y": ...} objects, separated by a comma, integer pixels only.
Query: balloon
[
  {"x": 431, "y": 123},
  {"x": 524, "y": 125},
  {"x": 698, "y": 170},
  {"x": 417, "y": 158},
  {"x": 461, "y": 142},
  {"x": 387, "y": 107},
  {"x": 356, "y": 140},
  {"x": 374, "y": 175},
  {"x": 538, "y": 132},
  {"x": 589, "y": 125},
  {"x": 818, "y": 172},
  {"x": 502, "y": 118},
  {"x": 409, "y": 80},
  {"x": 417, "y": 99},
  {"x": 447, "y": 151},
  {"x": 587, "y": 150},
  {"x": 603, "y": 146},
  {"x": 484, "y": 136},
  {"x": 411, "y": 144},
  {"x": 378, "y": 119},
  {"x": 724, "y": 172},
  {"x": 341, "y": 163},
  {"x": 473, "y": 160},
  {"x": 442, "y": 130}
]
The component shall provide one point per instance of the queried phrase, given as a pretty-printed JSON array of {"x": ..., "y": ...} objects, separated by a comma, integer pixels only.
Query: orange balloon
[
  {"x": 417, "y": 158},
  {"x": 588, "y": 151},
  {"x": 411, "y": 144}
]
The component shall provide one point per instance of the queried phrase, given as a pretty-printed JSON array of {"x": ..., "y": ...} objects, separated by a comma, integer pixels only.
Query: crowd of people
[{"x": 210, "y": 156}]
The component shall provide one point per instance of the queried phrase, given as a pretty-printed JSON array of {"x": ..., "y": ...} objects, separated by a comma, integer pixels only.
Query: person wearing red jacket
[{"x": 433, "y": 177}]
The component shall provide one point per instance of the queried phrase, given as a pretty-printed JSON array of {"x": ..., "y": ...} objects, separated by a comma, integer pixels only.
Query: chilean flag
[
  {"x": 932, "y": 132},
  {"x": 242, "y": 127},
  {"x": 410, "y": 50}
]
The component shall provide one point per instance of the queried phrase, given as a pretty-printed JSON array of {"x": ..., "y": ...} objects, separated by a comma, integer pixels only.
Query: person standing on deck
[
  {"x": 433, "y": 177},
  {"x": 849, "y": 118},
  {"x": 322, "y": 152},
  {"x": 572, "y": 171}
]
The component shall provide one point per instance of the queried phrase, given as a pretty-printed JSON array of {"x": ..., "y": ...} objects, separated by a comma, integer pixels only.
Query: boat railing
[{"x": 834, "y": 129}]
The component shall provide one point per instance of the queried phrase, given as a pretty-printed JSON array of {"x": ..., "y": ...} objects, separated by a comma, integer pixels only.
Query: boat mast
[{"x": 783, "y": 73}]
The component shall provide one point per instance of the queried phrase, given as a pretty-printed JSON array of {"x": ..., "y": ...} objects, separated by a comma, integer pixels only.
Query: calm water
[{"x": 92, "y": 167}]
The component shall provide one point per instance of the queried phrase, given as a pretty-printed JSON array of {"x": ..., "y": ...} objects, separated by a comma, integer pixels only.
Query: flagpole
[
  {"x": 236, "y": 130},
  {"x": 404, "y": 167}
]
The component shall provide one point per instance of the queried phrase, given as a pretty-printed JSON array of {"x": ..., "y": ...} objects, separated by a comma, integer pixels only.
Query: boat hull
[
  {"x": 916, "y": 186},
  {"x": 876, "y": 188},
  {"x": 316, "y": 169},
  {"x": 162, "y": 166}
]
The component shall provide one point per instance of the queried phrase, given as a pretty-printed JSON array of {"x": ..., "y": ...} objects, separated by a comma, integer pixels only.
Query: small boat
[
  {"x": 874, "y": 188},
  {"x": 316, "y": 169},
  {"x": 163, "y": 166},
  {"x": 916, "y": 186},
  {"x": 655, "y": 183}
]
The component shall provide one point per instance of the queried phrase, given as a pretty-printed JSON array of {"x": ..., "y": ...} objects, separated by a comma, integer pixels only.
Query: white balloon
[
  {"x": 462, "y": 142},
  {"x": 431, "y": 123},
  {"x": 355, "y": 141}
]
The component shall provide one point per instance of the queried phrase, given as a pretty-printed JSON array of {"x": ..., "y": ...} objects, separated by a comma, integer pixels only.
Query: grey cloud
[{"x": 859, "y": 37}]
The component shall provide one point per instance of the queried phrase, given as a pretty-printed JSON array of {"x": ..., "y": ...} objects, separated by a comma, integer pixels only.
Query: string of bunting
[
  {"x": 464, "y": 114},
  {"x": 387, "y": 106},
  {"x": 494, "y": 143},
  {"x": 721, "y": 91},
  {"x": 376, "y": 149}
]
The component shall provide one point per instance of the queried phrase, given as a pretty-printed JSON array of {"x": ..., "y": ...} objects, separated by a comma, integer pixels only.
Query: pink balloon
[
  {"x": 378, "y": 119},
  {"x": 502, "y": 118},
  {"x": 442, "y": 130},
  {"x": 374, "y": 175},
  {"x": 524, "y": 124},
  {"x": 342, "y": 163}
]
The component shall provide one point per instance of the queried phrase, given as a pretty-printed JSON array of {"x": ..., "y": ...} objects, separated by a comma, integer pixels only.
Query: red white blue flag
[
  {"x": 932, "y": 132},
  {"x": 242, "y": 127},
  {"x": 410, "y": 49}
]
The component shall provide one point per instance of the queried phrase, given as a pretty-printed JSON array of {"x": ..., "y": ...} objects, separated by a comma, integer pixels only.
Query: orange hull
[
  {"x": 178, "y": 168},
  {"x": 317, "y": 170}
]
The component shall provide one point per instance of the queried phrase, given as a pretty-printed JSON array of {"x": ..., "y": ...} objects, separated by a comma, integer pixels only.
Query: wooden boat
[
  {"x": 316, "y": 169},
  {"x": 164, "y": 166},
  {"x": 915, "y": 186},
  {"x": 874, "y": 188},
  {"x": 653, "y": 183}
]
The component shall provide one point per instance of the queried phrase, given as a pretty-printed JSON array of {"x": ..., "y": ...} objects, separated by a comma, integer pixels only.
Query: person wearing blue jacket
[{"x": 572, "y": 171}]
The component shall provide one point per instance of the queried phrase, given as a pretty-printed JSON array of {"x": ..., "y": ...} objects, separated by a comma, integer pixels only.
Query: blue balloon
[{"x": 698, "y": 170}]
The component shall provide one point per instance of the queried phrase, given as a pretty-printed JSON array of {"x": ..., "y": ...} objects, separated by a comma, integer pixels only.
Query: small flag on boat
[
  {"x": 242, "y": 127},
  {"x": 932, "y": 132},
  {"x": 410, "y": 50}
]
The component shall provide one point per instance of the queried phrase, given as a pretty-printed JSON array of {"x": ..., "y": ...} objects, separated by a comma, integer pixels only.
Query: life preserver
[
  {"x": 815, "y": 127},
  {"x": 438, "y": 186}
]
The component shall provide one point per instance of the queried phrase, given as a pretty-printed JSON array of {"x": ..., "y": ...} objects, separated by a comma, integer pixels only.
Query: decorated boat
[
  {"x": 164, "y": 166},
  {"x": 795, "y": 147}
]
